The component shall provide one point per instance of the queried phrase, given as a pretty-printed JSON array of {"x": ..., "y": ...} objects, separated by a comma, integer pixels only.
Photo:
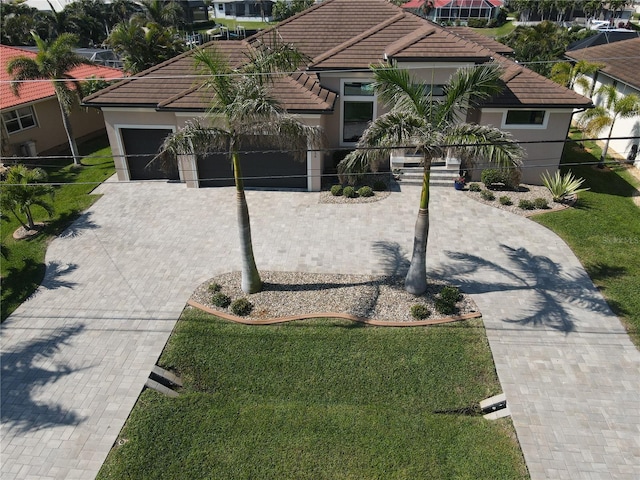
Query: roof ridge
[
  {"x": 288, "y": 20},
  {"x": 408, "y": 40},
  {"x": 357, "y": 38}
]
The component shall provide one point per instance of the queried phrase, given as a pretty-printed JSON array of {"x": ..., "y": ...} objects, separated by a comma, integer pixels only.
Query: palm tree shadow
[
  {"x": 82, "y": 223},
  {"x": 555, "y": 290},
  {"x": 23, "y": 374}
]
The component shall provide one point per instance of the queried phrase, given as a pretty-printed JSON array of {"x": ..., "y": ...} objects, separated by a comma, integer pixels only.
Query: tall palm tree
[
  {"x": 431, "y": 128},
  {"x": 243, "y": 114},
  {"x": 53, "y": 62},
  {"x": 20, "y": 192},
  {"x": 614, "y": 106},
  {"x": 166, "y": 14}
]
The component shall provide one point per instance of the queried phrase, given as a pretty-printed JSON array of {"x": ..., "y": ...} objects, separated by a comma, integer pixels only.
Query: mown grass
[
  {"x": 22, "y": 263},
  {"x": 603, "y": 230},
  {"x": 496, "y": 32},
  {"x": 320, "y": 399}
]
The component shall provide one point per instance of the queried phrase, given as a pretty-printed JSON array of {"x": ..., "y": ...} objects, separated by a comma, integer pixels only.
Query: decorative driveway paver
[{"x": 75, "y": 357}]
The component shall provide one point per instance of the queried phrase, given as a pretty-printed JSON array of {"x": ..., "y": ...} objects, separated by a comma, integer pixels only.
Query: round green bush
[
  {"x": 504, "y": 200},
  {"x": 444, "y": 307},
  {"x": 241, "y": 307},
  {"x": 379, "y": 186},
  {"x": 491, "y": 176},
  {"x": 540, "y": 203},
  {"x": 487, "y": 195},
  {"x": 221, "y": 300},
  {"x": 474, "y": 187},
  {"x": 526, "y": 205},
  {"x": 349, "y": 192},
  {"x": 419, "y": 311},
  {"x": 214, "y": 287},
  {"x": 336, "y": 190},
  {"x": 450, "y": 294},
  {"x": 365, "y": 191}
]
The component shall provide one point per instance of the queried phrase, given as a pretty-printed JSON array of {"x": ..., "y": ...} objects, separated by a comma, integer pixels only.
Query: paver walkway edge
[{"x": 76, "y": 355}]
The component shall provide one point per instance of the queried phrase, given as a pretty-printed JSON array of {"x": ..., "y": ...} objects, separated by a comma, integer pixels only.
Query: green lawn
[
  {"x": 604, "y": 232},
  {"x": 22, "y": 264},
  {"x": 497, "y": 32},
  {"x": 319, "y": 399}
]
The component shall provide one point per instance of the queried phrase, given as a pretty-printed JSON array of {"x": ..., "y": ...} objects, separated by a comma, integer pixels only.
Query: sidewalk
[{"x": 75, "y": 357}]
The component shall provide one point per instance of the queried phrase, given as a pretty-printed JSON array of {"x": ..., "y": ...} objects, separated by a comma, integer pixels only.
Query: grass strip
[{"x": 323, "y": 399}]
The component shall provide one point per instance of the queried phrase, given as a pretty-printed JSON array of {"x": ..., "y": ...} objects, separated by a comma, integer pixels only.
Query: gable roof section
[
  {"x": 175, "y": 85},
  {"x": 620, "y": 59},
  {"x": 39, "y": 90}
]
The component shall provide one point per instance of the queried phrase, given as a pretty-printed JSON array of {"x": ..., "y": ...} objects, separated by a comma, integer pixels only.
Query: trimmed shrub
[
  {"x": 491, "y": 176},
  {"x": 487, "y": 195},
  {"x": 241, "y": 307},
  {"x": 510, "y": 178},
  {"x": 540, "y": 203},
  {"x": 444, "y": 307},
  {"x": 419, "y": 311},
  {"x": 349, "y": 192},
  {"x": 477, "y": 22},
  {"x": 504, "y": 200},
  {"x": 221, "y": 300},
  {"x": 474, "y": 187},
  {"x": 526, "y": 205},
  {"x": 336, "y": 190},
  {"x": 379, "y": 186},
  {"x": 450, "y": 294},
  {"x": 214, "y": 287},
  {"x": 365, "y": 191}
]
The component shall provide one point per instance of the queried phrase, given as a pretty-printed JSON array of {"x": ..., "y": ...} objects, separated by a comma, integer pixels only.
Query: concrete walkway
[{"x": 75, "y": 357}]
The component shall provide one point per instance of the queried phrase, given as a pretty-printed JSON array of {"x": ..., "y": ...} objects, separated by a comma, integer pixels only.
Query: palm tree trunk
[
  {"x": 251, "y": 282},
  {"x": 30, "y": 223},
  {"x": 603, "y": 157},
  {"x": 416, "y": 279},
  {"x": 72, "y": 141}
]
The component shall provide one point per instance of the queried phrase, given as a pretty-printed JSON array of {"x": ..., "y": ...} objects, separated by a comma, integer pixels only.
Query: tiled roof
[
  {"x": 175, "y": 85},
  {"x": 487, "y": 42},
  {"x": 621, "y": 59},
  {"x": 38, "y": 90},
  {"x": 342, "y": 34}
]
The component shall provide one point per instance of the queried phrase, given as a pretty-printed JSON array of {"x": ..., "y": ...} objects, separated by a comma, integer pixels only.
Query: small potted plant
[{"x": 458, "y": 183}]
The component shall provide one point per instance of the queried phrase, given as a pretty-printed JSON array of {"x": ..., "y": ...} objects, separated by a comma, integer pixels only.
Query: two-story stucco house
[{"x": 342, "y": 38}]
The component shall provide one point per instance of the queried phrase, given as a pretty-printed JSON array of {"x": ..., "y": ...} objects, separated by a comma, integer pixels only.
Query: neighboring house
[
  {"x": 342, "y": 38},
  {"x": 246, "y": 10},
  {"x": 603, "y": 38},
  {"x": 455, "y": 10},
  {"x": 621, "y": 66},
  {"x": 32, "y": 122}
]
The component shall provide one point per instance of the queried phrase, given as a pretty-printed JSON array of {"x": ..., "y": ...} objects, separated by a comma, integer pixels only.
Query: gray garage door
[
  {"x": 140, "y": 146},
  {"x": 265, "y": 170}
]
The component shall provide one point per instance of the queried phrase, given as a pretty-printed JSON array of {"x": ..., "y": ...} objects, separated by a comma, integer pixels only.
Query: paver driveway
[{"x": 76, "y": 356}]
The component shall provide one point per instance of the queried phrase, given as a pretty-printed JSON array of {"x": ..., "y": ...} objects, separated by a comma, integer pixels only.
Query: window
[
  {"x": 19, "y": 119},
  {"x": 525, "y": 117},
  {"x": 358, "y": 109},
  {"x": 220, "y": 7}
]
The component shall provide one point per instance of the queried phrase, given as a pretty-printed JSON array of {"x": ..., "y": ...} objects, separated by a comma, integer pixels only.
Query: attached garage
[
  {"x": 261, "y": 170},
  {"x": 140, "y": 146}
]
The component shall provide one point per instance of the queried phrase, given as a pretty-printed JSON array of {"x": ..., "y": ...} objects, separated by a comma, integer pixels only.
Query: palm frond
[
  {"x": 399, "y": 91},
  {"x": 269, "y": 56},
  {"x": 467, "y": 87},
  {"x": 483, "y": 143}
]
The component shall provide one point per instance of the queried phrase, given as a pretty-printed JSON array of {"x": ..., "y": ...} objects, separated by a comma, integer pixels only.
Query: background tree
[
  {"x": 284, "y": 9},
  {"x": 166, "y": 14},
  {"x": 243, "y": 113},
  {"x": 20, "y": 192},
  {"x": 53, "y": 62},
  {"x": 615, "y": 106},
  {"x": 428, "y": 126},
  {"x": 143, "y": 46}
]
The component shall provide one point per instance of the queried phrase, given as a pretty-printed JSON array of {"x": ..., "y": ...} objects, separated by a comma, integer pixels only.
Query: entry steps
[{"x": 410, "y": 173}]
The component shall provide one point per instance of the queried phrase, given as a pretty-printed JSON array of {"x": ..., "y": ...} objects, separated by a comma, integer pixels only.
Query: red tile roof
[{"x": 39, "y": 90}]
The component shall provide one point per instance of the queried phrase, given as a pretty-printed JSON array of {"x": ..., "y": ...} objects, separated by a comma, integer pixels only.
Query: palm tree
[
  {"x": 242, "y": 114},
  {"x": 20, "y": 191},
  {"x": 53, "y": 62},
  {"x": 143, "y": 46},
  {"x": 166, "y": 14},
  {"x": 615, "y": 106},
  {"x": 431, "y": 128},
  {"x": 569, "y": 75}
]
